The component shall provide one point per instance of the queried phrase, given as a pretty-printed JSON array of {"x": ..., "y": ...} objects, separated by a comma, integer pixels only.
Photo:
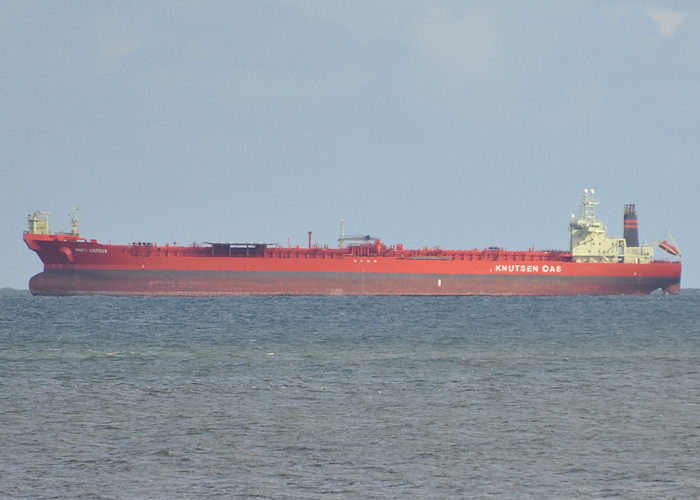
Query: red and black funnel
[{"x": 631, "y": 226}]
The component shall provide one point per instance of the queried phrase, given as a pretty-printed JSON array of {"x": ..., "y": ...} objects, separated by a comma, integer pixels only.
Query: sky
[{"x": 463, "y": 124}]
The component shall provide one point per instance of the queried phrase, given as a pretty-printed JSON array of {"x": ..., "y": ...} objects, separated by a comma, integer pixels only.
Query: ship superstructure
[{"x": 590, "y": 242}]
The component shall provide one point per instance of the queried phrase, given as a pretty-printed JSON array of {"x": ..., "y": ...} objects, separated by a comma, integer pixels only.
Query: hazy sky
[{"x": 453, "y": 123}]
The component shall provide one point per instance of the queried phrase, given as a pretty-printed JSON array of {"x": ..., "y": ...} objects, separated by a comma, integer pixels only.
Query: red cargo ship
[{"x": 595, "y": 265}]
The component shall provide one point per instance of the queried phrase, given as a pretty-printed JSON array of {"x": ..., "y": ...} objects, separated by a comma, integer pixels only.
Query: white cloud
[
  {"x": 263, "y": 86},
  {"x": 123, "y": 47},
  {"x": 668, "y": 20},
  {"x": 114, "y": 52},
  {"x": 463, "y": 47}
]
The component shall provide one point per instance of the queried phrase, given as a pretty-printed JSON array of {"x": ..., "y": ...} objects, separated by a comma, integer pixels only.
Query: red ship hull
[
  {"x": 76, "y": 266},
  {"x": 222, "y": 283}
]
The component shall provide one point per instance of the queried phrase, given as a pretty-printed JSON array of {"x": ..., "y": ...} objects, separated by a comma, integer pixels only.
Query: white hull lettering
[
  {"x": 91, "y": 250},
  {"x": 551, "y": 269},
  {"x": 526, "y": 268}
]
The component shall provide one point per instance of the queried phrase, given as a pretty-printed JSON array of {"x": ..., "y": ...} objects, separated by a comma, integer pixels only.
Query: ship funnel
[{"x": 631, "y": 233}]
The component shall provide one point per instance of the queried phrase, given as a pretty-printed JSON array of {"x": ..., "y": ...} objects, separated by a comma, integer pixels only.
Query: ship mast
[
  {"x": 75, "y": 221},
  {"x": 588, "y": 204}
]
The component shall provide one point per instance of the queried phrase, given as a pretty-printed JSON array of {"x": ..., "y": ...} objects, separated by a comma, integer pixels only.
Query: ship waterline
[{"x": 243, "y": 283}]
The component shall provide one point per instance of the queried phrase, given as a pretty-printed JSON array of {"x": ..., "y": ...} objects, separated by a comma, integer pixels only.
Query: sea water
[{"x": 349, "y": 397}]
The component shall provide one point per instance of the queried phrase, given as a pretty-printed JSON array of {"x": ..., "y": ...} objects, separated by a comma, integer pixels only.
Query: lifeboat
[{"x": 667, "y": 247}]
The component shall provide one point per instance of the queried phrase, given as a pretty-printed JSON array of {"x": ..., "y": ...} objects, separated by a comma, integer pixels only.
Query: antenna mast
[
  {"x": 588, "y": 206},
  {"x": 75, "y": 221}
]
